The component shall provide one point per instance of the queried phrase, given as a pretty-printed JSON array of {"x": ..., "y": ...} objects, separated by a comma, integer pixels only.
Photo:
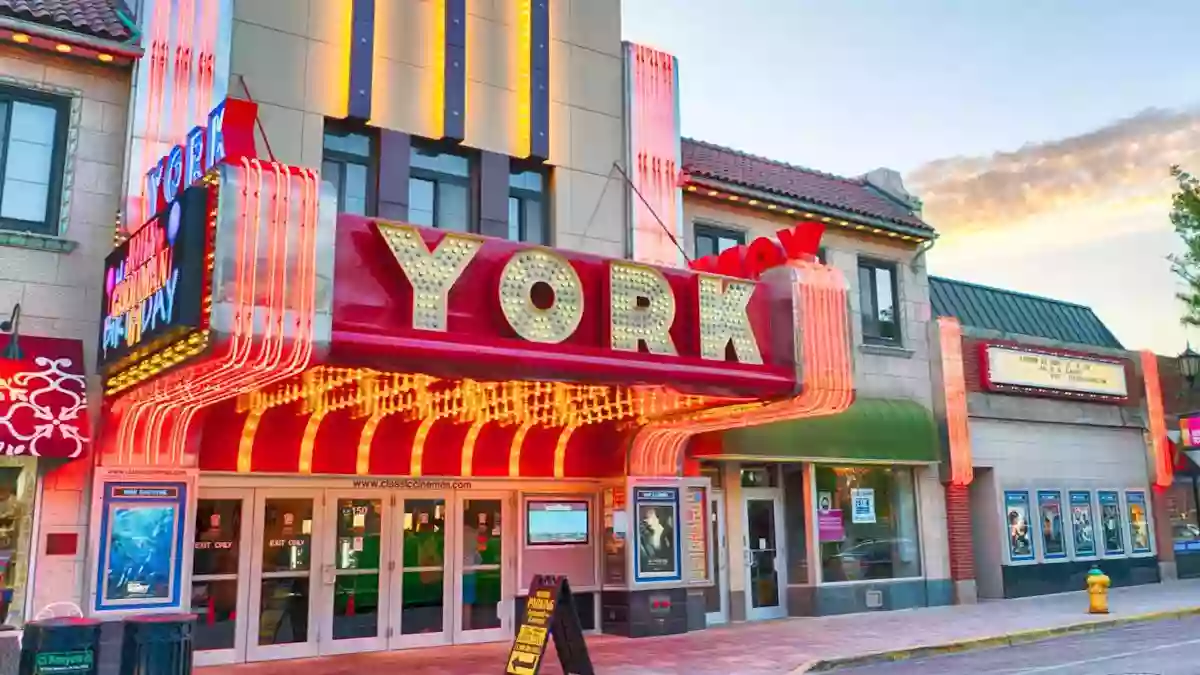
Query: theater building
[
  {"x": 64, "y": 89},
  {"x": 1056, "y": 447},
  {"x": 842, "y": 513}
]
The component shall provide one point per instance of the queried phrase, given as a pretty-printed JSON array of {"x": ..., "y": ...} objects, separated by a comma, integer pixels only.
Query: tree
[{"x": 1185, "y": 216}]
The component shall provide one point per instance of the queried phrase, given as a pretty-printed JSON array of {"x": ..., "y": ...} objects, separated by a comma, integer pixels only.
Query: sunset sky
[{"x": 1039, "y": 134}]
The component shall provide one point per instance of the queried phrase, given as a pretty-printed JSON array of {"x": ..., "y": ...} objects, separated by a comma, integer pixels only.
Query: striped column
[
  {"x": 454, "y": 96},
  {"x": 362, "y": 59},
  {"x": 539, "y": 80}
]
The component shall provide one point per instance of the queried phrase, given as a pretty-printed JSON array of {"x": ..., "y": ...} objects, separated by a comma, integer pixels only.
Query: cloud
[{"x": 1118, "y": 166}]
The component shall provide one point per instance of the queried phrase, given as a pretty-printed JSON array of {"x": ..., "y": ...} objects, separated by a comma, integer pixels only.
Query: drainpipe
[{"x": 921, "y": 251}]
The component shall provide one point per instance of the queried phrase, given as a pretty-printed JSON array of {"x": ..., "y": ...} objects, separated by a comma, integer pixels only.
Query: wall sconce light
[{"x": 13, "y": 328}]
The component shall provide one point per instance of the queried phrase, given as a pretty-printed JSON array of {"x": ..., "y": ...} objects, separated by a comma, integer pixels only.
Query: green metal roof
[
  {"x": 870, "y": 429},
  {"x": 990, "y": 308}
]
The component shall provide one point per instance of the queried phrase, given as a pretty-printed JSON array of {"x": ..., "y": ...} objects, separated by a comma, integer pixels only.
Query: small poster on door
[
  {"x": 824, "y": 501},
  {"x": 863, "y": 503}
]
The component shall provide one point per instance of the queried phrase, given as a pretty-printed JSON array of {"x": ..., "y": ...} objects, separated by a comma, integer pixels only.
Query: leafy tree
[{"x": 1185, "y": 216}]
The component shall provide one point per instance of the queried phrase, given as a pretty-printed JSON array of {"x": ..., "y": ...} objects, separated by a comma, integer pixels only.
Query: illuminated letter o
[{"x": 551, "y": 322}]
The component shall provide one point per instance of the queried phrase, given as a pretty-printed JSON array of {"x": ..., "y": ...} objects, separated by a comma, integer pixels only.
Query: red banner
[{"x": 43, "y": 399}]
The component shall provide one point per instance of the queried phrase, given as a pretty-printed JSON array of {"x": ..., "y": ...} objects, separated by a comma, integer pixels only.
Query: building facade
[
  {"x": 1056, "y": 445},
  {"x": 64, "y": 92}
]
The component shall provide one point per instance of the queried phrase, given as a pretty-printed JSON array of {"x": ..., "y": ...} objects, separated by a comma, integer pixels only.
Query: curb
[{"x": 1009, "y": 639}]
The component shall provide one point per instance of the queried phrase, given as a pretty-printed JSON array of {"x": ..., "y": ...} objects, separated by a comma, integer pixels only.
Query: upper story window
[
  {"x": 880, "y": 302},
  {"x": 348, "y": 165},
  {"x": 33, "y": 130},
  {"x": 711, "y": 240},
  {"x": 528, "y": 208},
  {"x": 439, "y": 188}
]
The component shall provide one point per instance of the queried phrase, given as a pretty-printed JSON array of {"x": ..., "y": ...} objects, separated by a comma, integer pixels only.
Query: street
[{"x": 1153, "y": 648}]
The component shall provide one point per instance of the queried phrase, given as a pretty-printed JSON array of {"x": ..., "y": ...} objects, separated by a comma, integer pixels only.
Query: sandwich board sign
[{"x": 549, "y": 612}]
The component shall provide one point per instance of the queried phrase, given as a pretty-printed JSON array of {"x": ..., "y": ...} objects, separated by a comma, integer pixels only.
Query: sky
[{"x": 1038, "y": 133}]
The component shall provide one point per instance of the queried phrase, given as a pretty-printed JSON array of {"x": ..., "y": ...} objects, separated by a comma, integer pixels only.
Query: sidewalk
[{"x": 787, "y": 646}]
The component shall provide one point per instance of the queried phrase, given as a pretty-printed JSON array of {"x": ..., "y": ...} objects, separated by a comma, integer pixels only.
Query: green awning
[{"x": 871, "y": 429}]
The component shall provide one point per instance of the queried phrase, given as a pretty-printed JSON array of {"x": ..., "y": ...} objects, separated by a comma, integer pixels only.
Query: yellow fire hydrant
[{"x": 1097, "y": 583}]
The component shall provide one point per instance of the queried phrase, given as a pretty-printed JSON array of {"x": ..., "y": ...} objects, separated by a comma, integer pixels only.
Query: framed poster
[
  {"x": 1083, "y": 529},
  {"x": 1139, "y": 523},
  {"x": 862, "y": 501},
  {"x": 141, "y": 544},
  {"x": 1016, "y": 519},
  {"x": 656, "y": 552},
  {"x": 1050, "y": 522},
  {"x": 1110, "y": 522}
]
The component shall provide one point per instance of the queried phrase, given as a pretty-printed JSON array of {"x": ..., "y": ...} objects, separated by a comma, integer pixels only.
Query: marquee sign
[
  {"x": 1024, "y": 370},
  {"x": 154, "y": 282},
  {"x": 463, "y": 306}
]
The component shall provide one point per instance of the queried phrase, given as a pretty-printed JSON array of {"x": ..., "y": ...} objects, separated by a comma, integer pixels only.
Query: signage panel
[{"x": 1033, "y": 371}]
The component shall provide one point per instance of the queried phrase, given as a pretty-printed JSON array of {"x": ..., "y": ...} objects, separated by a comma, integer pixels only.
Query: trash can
[
  {"x": 60, "y": 646},
  {"x": 158, "y": 644}
]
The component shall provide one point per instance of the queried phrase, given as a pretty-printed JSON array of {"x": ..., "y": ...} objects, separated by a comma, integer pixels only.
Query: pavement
[
  {"x": 1166, "y": 647},
  {"x": 794, "y": 646}
]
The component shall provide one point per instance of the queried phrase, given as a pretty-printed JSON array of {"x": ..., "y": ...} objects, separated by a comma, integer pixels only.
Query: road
[{"x": 1156, "y": 648}]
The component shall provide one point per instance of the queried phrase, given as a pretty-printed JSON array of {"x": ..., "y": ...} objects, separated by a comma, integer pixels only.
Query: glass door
[
  {"x": 354, "y": 577},
  {"x": 765, "y": 559},
  {"x": 716, "y": 597},
  {"x": 483, "y": 613},
  {"x": 283, "y": 575},
  {"x": 420, "y": 611},
  {"x": 219, "y": 560}
]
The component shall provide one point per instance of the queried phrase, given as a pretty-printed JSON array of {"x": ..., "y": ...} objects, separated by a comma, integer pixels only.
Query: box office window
[
  {"x": 348, "y": 166},
  {"x": 879, "y": 300},
  {"x": 439, "y": 187},
  {"x": 867, "y": 523},
  {"x": 33, "y": 139}
]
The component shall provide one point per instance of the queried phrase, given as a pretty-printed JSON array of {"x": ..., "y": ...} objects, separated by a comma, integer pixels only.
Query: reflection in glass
[
  {"x": 760, "y": 530},
  {"x": 424, "y": 533},
  {"x": 359, "y": 528},
  {"x": 880, "y": 541},
  {"x": 284, "y": 615},
  {"x": 27, "y": 171},
  {"x": 481, "y": 532},
  {"x": 420, "y": 201},
  {"x": 215, "y": 604},
  {"x": 481, "y": 599},
  {"x": 356, "y": 606},
  {"x": 423, "y": 606},
  {"x": 287, "y": 535},
  {"x": 218, "y": 531}
]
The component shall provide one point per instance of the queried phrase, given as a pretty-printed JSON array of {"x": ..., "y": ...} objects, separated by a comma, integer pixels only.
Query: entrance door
[
  {"x": 716, "y": 597},
  {"x": 765, "y": 556},
  {"x": 420, "y": 610},
  {"x": 220, "y": 566},
  {"x": 482, "y": 612},
  {"x": 283, "y": 575},
  {"x": 354, "y": 578}
]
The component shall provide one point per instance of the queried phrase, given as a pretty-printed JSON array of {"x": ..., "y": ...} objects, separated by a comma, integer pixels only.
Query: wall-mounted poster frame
[
  {"x": 1083, "y": 524},
  {"x": 1112, "y": 531},
  {"x": 656, "y": 550},
  {"x": 1050, "y": 524},
  {"x": 1017, "y": 527},
  {"x": 140, "y": 555},
  {"x": 1138, "y": 519}
]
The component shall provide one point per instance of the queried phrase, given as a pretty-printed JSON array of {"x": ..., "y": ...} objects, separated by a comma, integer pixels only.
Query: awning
[
  {"x": 870, "y": 430},
  {"x": 43, "y": 399}
]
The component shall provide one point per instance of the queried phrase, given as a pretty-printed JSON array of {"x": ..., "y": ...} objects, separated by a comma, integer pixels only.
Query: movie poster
[
  {"x": 657, "y": 533},
  {"x": 1083, "y": 529},
  {"x": 141, "y": 552},
  {"x": 1139, "y": 525},
  {"x": 1110, "y": 522},
  {"x": 1020, "y": 539},
  {"x": 1050, "y": 522}
]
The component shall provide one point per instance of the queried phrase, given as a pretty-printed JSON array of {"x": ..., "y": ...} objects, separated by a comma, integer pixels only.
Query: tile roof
[
  {"x": 94, "y": 18},
  {"x": 854, "y": 195},
  {"x": 1011, "y": 312}
]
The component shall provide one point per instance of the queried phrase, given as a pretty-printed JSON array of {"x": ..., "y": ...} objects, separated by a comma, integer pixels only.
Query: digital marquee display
[{"x": 154, "y": 282}]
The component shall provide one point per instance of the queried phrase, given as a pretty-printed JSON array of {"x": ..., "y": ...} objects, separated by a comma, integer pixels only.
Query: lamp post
[
  {"x": 13, "y": 328},
  {"x": 1189, "y": 365}
]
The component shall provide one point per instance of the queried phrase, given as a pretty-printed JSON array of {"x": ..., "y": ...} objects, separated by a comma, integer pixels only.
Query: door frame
[
  {"x": 255, "y": 651},
  {"x": 217, "y": 657},
  {"x": 775, "y": 496},
  {"x": 397, "y": 639},
  {"x": 720, "y": 548},
  {"x": 507, "y": 592},
  {"x": 329, "y": 573}
]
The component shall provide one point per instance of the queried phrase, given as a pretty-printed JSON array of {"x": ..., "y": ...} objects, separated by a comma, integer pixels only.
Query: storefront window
[
  {"x": 1181, "y": 509},
  {"x": 17, "y": 481},
  {"x": 867, "y": 523}
]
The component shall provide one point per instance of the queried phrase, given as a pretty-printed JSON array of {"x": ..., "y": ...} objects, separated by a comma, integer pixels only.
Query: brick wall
[{"x": 958, "y": 523}]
